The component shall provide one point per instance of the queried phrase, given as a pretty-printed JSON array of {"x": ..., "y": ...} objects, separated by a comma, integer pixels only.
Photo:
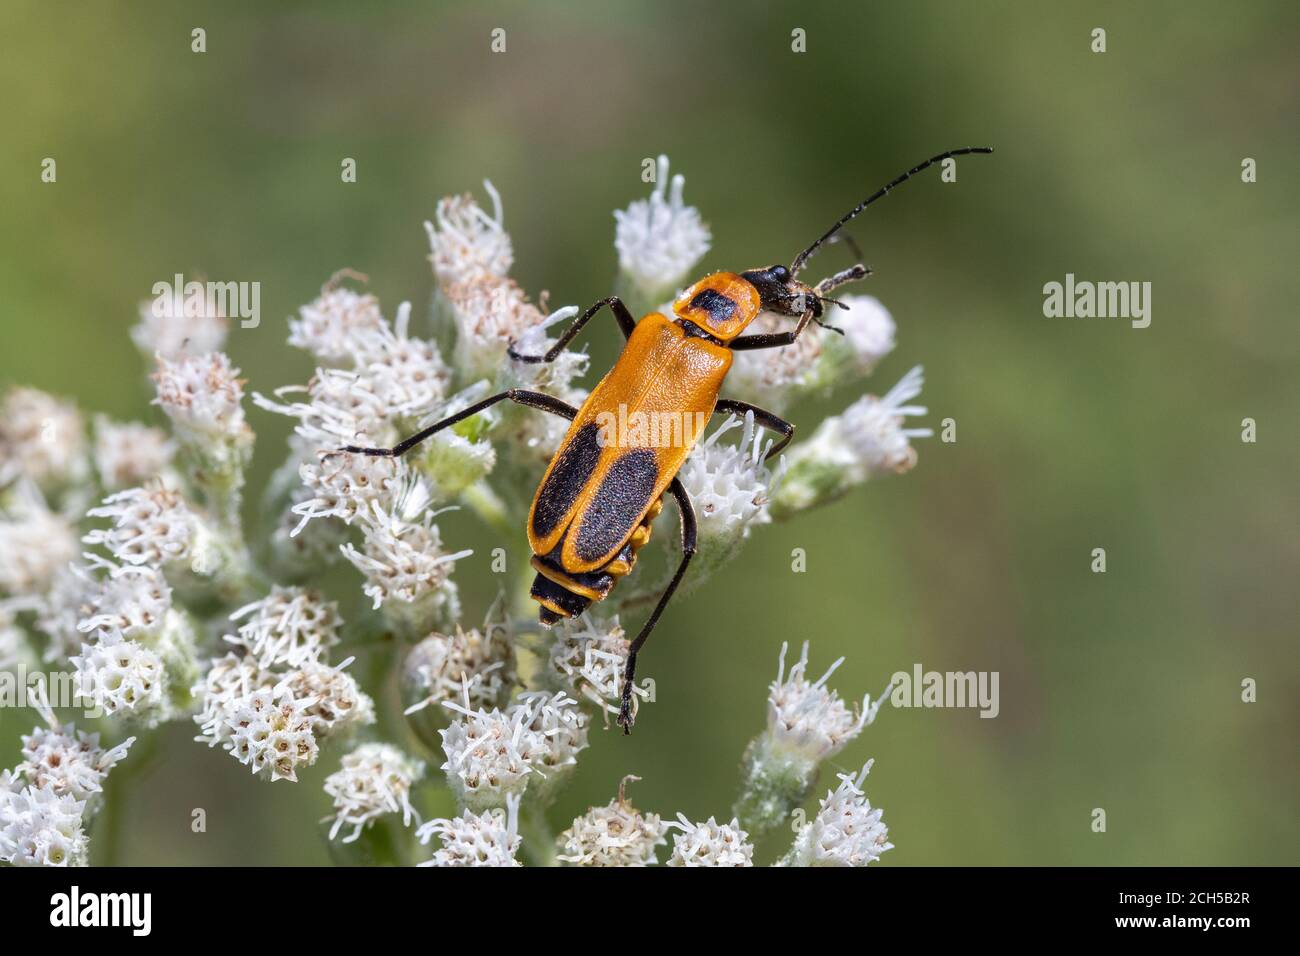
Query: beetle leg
[
  {"x": 626, "y": 322},
  {"x": 763, "y": 417},
  {"x": 772, "y": 340},
  {"x": 521, "y": 396},
  {"x": 688, "y": 549}
]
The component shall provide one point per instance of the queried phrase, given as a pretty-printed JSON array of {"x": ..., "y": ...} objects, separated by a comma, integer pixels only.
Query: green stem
[
  {"x": 110, "y": 822},
  {"x": 538, "y": 840}
]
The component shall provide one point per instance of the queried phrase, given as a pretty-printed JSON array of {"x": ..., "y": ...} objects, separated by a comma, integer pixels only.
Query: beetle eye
[{"x": 779, "y": 272}]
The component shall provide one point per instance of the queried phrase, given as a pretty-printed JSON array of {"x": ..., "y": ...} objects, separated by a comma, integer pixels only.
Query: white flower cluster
[
  {"x": 131, "y": 453},
  {"x": 270, "y": 731},
  {"x": 375, "y": 780},
  {"x": 290, "y": 626},
  {"x": 710, "y": 844},
  {"x": 274, "y": 727},
  {"x": 377, "y": 383},
  {"x": 659, "y": 239},
  {"x": 405, "y": 567},
  {"x": 479, "y": 662},
  {"x": 465, "y": 242},
  {"x": 846, "y": 831},
  {"x": 807, "y": 723},
  {"x": 122, "y": 677},
  {"x": 471, "y": 255},
  {"x": 39, "y": 827},
  {"x": 149, "y": 526},
  {"x": 168, "y": 554},
  {"x": 328, "y": 327},
  {"x": 174, "y": 326},
  {"x": 493, "y": 754},
  {"x": 730, "y": 485},
  {"x": 614, "y": 835},
  {"x": 42, "y": 439},
  {"x": 806, "y": 718},
  {"x": 587, "y": 659},
  {"x": 203, "y": 397},
  {"x": 870, "y": 438},
  {"x": 46, "y": 801},
  {"x": 490, "y": 838},
  {"x": 136, "y": 656},
  {"x": 36, "y": 543},
  {"x": 272, "y": 701},
  {"x": 67, "y": 761}
]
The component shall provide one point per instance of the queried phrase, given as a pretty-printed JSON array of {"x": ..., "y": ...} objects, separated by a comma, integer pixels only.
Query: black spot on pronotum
[
  {"x": 720, "y": 308},
  {"x": 572, "y": 469},
  {"x": 618, "y": 504}
]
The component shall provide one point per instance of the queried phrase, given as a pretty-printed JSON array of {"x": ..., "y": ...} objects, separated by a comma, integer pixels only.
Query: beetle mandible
[{"x": 597, "y": 499}]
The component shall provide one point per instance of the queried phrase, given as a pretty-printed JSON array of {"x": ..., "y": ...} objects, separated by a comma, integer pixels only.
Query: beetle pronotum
[{"x": 595, "y": 503}]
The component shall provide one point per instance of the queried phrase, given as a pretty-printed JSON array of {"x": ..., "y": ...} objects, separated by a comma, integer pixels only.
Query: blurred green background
[{"x": 1119, "y": 691}]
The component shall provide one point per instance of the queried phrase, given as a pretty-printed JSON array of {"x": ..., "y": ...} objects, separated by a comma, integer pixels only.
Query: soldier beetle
[{"x": 597, "y": 499}]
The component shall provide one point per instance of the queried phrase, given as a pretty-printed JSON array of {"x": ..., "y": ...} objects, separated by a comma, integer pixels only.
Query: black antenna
[{"x": 804, "y": 256}]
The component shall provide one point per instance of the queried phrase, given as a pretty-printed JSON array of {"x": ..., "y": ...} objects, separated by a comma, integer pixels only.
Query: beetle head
[{"x": 782, "y": 293}]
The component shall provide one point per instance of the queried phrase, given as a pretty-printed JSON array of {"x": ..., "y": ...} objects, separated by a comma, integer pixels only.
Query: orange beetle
[{"x": 593, "y": 509}]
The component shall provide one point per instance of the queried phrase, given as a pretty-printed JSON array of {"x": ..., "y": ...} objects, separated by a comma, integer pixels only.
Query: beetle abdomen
[{"x": 563, "y": 593}]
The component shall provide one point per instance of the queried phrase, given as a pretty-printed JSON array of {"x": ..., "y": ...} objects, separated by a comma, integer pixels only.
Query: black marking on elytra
[
  {"x": 572, "y": 469},
  {"x": 618, "y": 504},
  {"x": 721, "y": 309}
]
